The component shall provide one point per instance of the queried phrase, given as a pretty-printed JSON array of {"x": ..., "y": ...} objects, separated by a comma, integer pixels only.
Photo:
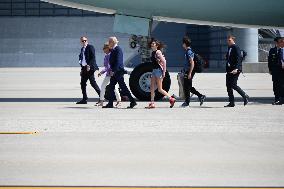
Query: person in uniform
[
  {"x": 274, "y": 70},
  {"x": 280, "y": 67}
]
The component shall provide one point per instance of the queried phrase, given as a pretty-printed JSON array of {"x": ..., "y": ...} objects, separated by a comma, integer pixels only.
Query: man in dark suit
[
  {"x": 87, "y": 60},
  {"x": 274, "y": 67},
  {"x": 281, "y": 70},
  {"x": 117, "y": 73},
  {"x": 233, "y": 69}
]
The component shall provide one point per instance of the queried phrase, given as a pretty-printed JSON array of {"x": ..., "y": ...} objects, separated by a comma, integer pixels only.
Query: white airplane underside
[{"x": 227, "y": 13}]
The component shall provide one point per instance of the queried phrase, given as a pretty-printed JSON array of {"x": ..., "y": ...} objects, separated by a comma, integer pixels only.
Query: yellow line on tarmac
[
  {"x": 18, "y": 133},
  {"x": 43, "y": 187}
]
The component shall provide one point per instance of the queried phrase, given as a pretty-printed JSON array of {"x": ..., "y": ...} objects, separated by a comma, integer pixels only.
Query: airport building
[{"x": 39, "y": 34}]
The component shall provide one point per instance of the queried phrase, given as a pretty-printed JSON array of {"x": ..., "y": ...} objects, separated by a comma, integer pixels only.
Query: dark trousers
[
  {"x": 281, "y": 86},
  {"x": 119, "y": 78},
  {"x": 188, "y": 88},
  {"x": 85, "y": 76},
  {"x": 232, "y": 83},
  {"x": 276, "y": 79}
]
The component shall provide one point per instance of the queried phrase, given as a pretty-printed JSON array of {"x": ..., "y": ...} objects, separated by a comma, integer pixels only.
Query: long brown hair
[{"x": 159, "y": 44}]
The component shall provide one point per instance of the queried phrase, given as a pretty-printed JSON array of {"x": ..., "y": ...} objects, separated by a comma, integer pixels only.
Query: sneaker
[
  {"x": 202, "y": 99},
  {"x": 184, "y": 105},
  {"x": 83, "y": 101},
  {"x": 172, "y": 102}
]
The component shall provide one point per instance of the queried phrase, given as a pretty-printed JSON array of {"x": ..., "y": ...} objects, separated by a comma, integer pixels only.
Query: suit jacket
[
  {"x": 90, "y": 57},
  {"x": 116, "y": 60},
  {"x": 273, "y": 60},
  {"x": 234, "y": 60}
]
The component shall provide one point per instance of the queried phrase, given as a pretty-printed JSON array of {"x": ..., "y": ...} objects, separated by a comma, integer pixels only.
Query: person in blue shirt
[{"x": 188, "y": 70}]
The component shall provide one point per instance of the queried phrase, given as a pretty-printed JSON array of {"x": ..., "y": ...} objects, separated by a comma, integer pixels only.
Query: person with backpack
[
  {"x": 107, "y": 71},
  {"x": 233, "y": 70},
  {"x": 191, "y": 66},
  {"x": 158, "y": 73}
]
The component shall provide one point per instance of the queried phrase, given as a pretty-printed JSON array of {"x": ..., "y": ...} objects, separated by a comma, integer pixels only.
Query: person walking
[
  {"x": 233, "y": 70},
  {"x": 158, "y": 73},
  {"x": 117, "y": 73},
  {"x": 87, "y": 60},
  {"x": 107, "y": 72},
  {"x": 189, "y": 73}
]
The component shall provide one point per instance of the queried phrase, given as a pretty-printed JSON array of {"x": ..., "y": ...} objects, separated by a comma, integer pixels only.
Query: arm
[
  {"x": 237, "y": 60},
  {"x": 113, "y": 60},
  {"x": 106, "y": 65},
  {"x": 92, "y": 58},
  {"x": 190, "y": 57},
  {"x": 191, "y": 62},
  {"x": 270, "y": 61}
]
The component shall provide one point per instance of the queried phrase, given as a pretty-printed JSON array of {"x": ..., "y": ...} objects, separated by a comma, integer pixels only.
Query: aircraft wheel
[{"x": 140, "y": 81}]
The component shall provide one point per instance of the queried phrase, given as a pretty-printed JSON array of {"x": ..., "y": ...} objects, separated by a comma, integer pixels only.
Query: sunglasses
[{"x": 84, "y": 41}]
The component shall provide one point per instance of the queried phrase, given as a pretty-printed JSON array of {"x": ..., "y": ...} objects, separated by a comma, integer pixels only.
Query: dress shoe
[
  {"x": 83, "y": 101},
  {"x": 246, "y": 100},
  {"x": 108, "y": 106},
  {"x": 229, "y": 105},
  {"x": 278, "y": 103},
  {"x": 132, "y": 105}
]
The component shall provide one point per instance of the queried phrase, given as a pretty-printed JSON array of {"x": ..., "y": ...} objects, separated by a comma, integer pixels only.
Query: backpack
[
  {"x": 199, "y": 63},
  {"x": 243, "y": 54}
]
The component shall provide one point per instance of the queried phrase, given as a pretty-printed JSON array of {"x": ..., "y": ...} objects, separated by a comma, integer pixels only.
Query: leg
[
  {"x": 84, "y": 79},
  {"x": 276, "y": 86},
  {"x": 159, "y": 82},
  {"x": 93, "y": 82},
  {"x": 117, "y": 94},
  {"x": 192, "y": 89},
  {"x": 281, "y": 87},
  {"x": 122, "y": 85},
  {"x": 236, "y": 87},
  {"x": 103, "y": 87},
  {"x": 152, "y": 88},
  {"x": 186, "y": 86},
  {"x": 229, "y": 81},
  {"x": 113, "y": 82}
]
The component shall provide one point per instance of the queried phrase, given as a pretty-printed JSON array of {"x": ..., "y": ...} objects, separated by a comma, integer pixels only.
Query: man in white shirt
[{"x": 87, "y": 60}]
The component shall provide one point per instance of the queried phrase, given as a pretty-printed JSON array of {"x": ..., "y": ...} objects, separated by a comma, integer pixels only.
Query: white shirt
[
  {"x": 114, "y": 46},
  {"x": 83, "y": 61},
  {"x": 229, "y": 53}
]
